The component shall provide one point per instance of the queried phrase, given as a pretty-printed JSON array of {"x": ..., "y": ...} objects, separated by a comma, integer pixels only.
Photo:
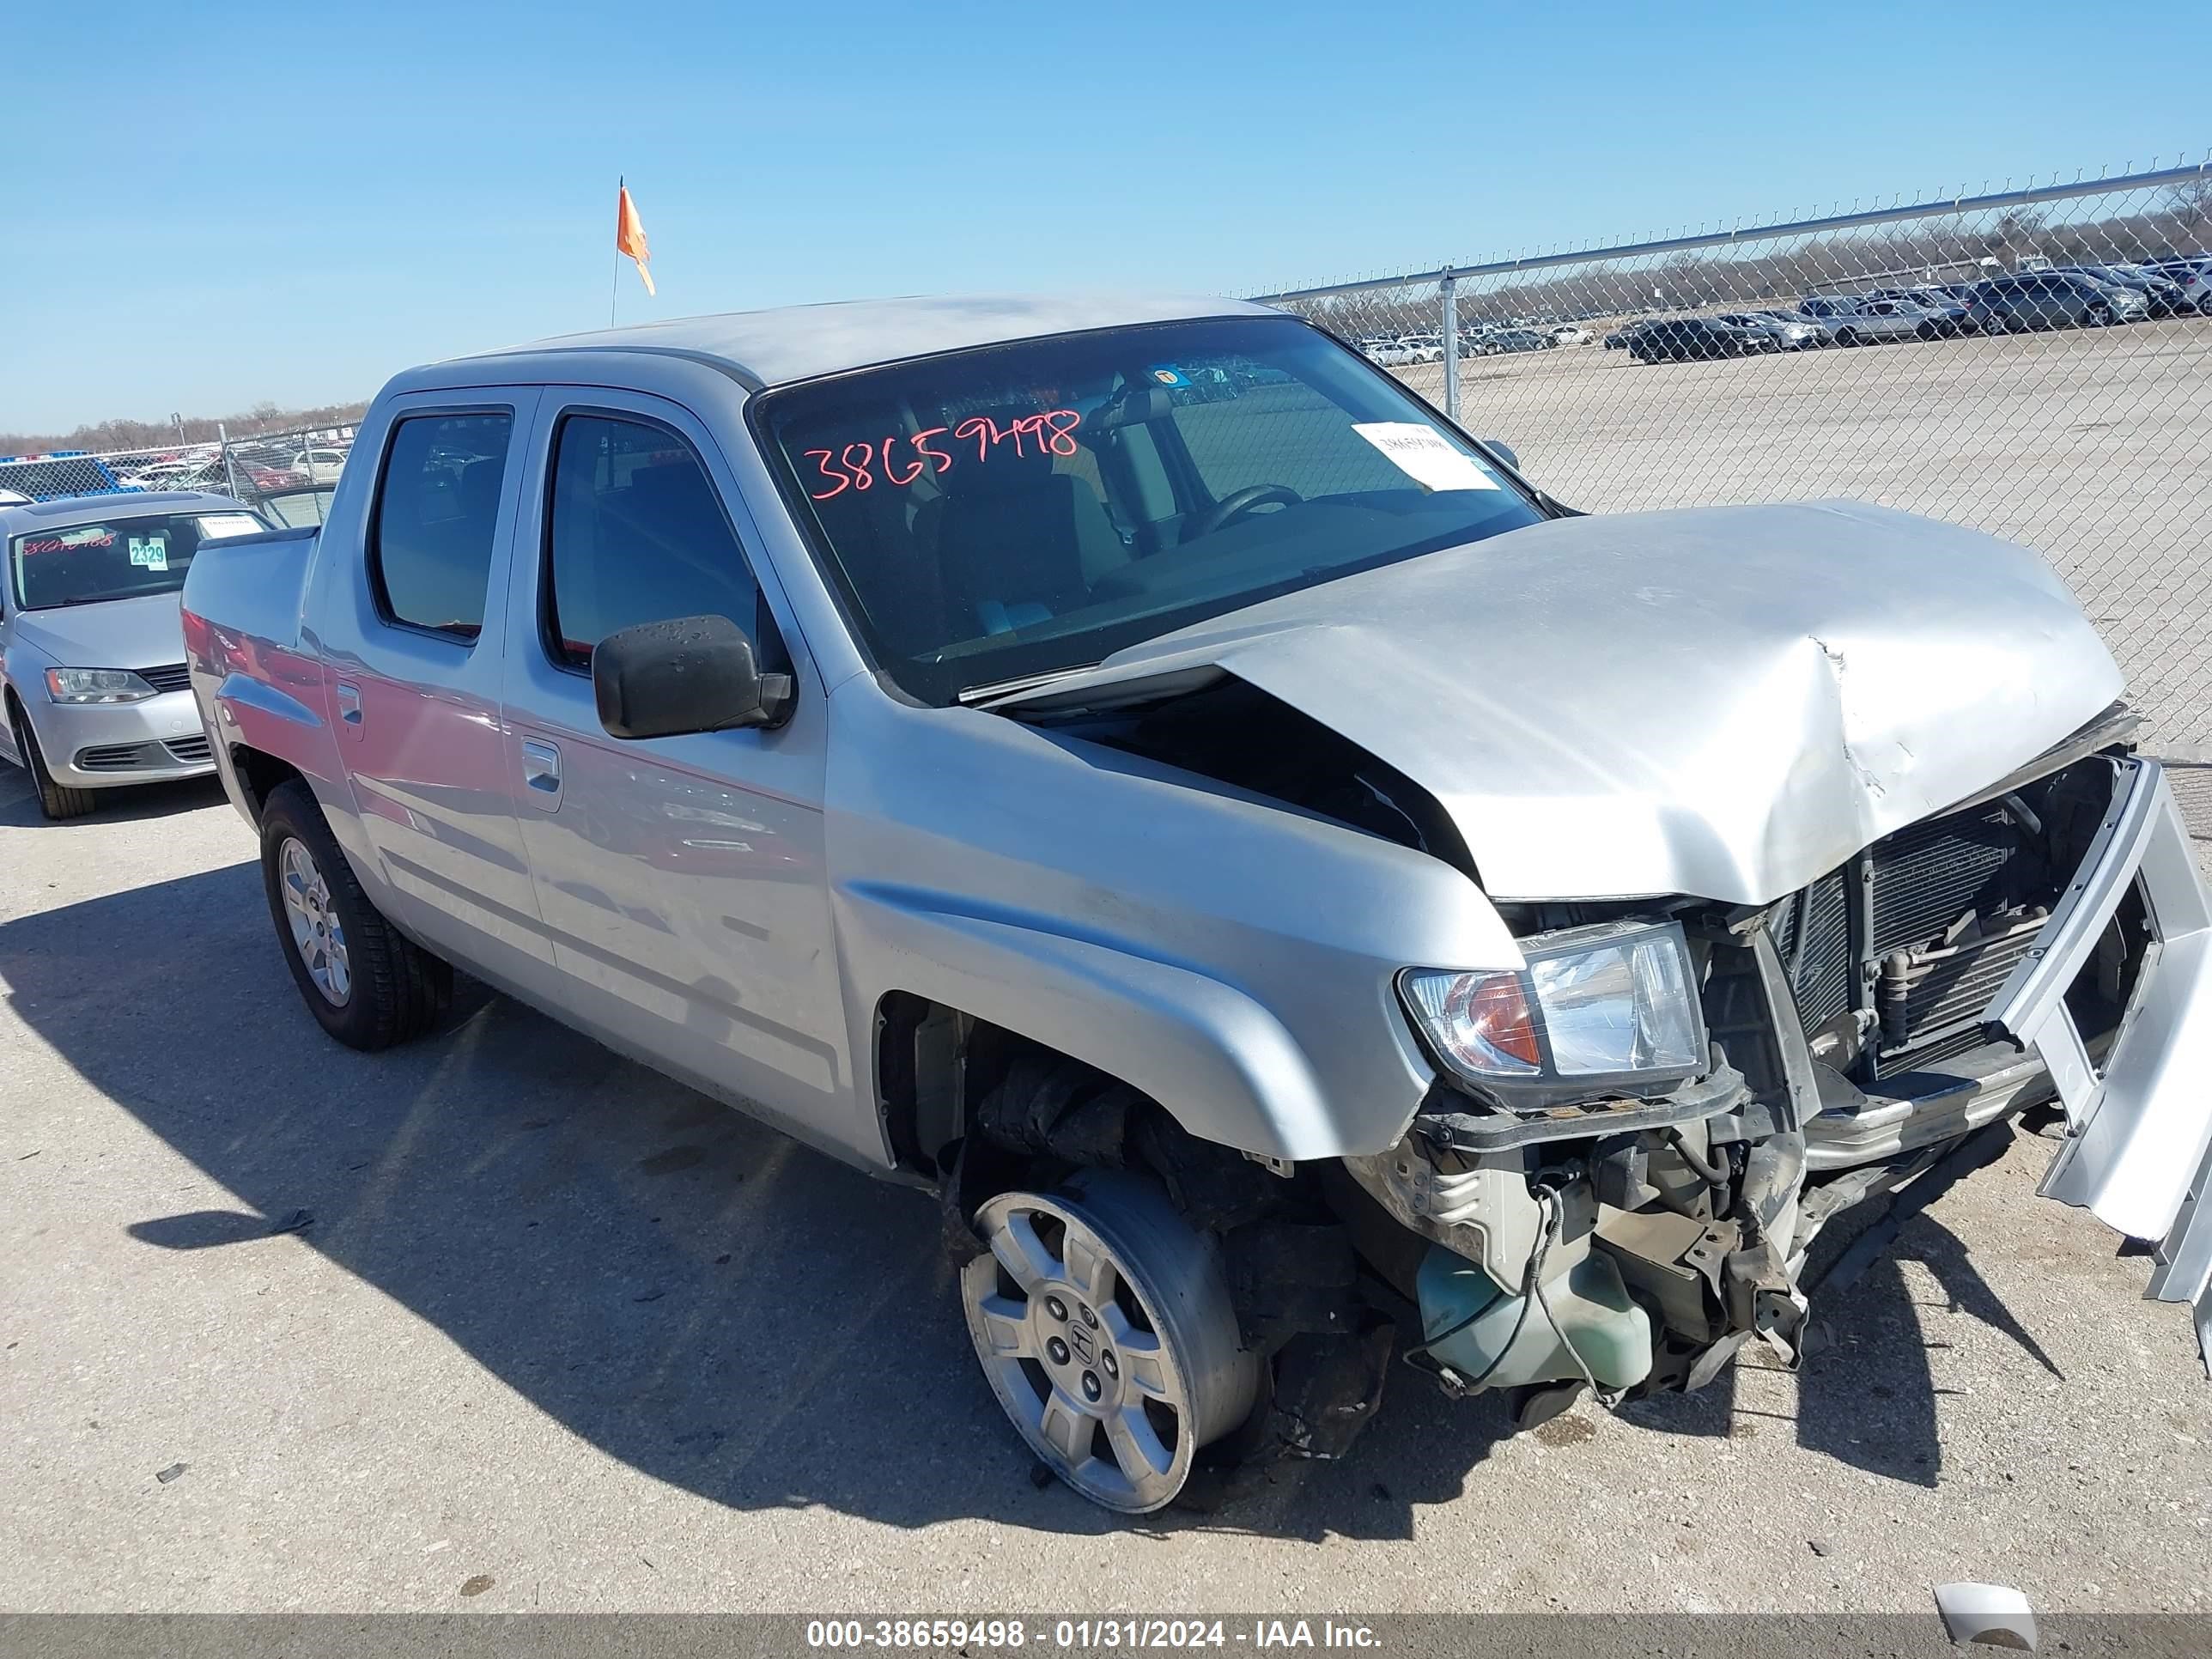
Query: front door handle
[{"x": 541, "y": 769}]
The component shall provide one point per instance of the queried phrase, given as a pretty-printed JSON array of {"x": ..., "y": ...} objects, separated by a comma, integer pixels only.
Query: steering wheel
[{"x": 1238, "y": 502}]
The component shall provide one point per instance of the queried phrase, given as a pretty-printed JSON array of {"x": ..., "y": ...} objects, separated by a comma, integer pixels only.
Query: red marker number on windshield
[{"x": 902, "y": 460}]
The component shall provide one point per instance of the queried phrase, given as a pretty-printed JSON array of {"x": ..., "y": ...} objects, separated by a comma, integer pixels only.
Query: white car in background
[
  {"x": 319, "y": 467},
  {"x": 190, "y": 473},
  {"x": 2195, "y": 276},
  {"x": 1567, "y": 334}
]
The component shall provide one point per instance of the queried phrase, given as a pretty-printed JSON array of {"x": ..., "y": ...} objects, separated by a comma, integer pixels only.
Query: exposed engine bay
[
  {"x": 1633, "y": 1239},
  {"x": 1652, "y": 1236}
]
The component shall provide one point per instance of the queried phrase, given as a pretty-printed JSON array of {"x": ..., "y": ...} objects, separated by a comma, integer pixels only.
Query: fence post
[
  {"x": 229, "y": 471},
  {"x": 1450, "y": 286}
]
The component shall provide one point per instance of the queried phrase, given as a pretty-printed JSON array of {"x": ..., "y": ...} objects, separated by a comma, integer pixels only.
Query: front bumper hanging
[{"x": 2138, "y": 1148}]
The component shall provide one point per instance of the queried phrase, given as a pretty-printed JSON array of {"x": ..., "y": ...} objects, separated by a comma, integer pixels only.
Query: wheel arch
[
  {"x": 258, "y": 774},
  {"x": 1219, "y": 1064}
]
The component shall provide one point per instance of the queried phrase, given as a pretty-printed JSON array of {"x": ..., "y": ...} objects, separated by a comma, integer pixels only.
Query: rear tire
[
  {"x": 1845, "y": 336},
  {"x": 367, "y": 984},
  {"x": 56, "y": 801}
]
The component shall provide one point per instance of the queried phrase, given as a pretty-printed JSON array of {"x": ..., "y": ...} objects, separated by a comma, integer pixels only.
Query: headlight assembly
[
  {"x": 1609, "y": 1008},
  {"x": 96, "y": 685}
]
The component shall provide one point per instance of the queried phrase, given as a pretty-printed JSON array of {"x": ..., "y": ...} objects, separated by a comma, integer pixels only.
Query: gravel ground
[{"x": 500, "y": 1322}]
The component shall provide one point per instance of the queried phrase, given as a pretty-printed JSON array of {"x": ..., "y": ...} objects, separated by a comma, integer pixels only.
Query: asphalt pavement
[{"x": 501, "y": 1321}]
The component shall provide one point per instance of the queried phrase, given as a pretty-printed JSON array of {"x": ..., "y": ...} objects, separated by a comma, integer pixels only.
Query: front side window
[
  {"x": 118, "y": 558},
  {"x": 636, "y": 534},
  {"x": 437, "y": 513},
  {"x": 991, "y": 514}
]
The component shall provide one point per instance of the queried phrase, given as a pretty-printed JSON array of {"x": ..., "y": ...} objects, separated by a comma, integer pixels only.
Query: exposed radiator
[{"x": 1948, "y": 908}]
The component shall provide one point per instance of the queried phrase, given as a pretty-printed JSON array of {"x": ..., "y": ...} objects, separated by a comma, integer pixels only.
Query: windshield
[
  {"x": 994, "y": 514},
  {"x": 117, "y": 559}
]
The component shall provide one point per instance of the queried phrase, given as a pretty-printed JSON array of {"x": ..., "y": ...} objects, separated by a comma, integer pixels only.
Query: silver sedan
[{"x": 92, "y": 650}]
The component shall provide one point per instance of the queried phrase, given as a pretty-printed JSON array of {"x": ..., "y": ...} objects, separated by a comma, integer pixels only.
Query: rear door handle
[{"x": 541, "y": 770}]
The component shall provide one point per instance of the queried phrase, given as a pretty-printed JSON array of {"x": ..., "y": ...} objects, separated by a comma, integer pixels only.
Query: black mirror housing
[
  {"x": 666, "y": 679},
  {"x": 1504, "y": 450}
]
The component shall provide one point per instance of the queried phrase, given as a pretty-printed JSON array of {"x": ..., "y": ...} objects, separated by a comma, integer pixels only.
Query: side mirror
[
  {"x": 1504, "y": 452},
  {"x": 666, "y": 679}
]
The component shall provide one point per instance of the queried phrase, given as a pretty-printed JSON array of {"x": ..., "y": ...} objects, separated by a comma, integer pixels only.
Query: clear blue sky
[{"x": 210, "y": 206}]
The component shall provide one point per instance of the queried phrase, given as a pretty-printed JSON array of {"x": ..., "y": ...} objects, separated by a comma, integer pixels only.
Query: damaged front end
[
  {"x": 1591, "y": 1211},
  {"x": 1627, "y": 1237}
]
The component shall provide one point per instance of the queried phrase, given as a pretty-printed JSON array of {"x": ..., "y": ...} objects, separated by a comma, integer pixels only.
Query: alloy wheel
[
  {"x": 318, "y": 935},
  {"x": 1103, "y": 1324}
]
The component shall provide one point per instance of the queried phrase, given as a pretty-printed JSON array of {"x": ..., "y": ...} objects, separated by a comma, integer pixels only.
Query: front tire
[
  {"x": 56, "y": 801},
  {"x": 366, "y": 984},
  {"x": 1846, "y": 338},
  {"x": 1103, "y": 1324}
]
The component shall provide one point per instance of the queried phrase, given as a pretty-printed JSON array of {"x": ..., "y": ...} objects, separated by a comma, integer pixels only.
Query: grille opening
[
  {"x": 1893, "y": 959},
  {"x": 143, "y": 756},
  {"x": 120, "y": 756}
]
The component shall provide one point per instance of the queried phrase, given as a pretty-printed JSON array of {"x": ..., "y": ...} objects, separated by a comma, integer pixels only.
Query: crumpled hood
[
  {"x": 145, "y": 632},
  {"x": 1722, "y": 701}
]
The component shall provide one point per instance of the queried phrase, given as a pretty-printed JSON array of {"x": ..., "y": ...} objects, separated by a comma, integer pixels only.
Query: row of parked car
[
  {"x": 1485, "y": 340},
  {"x": 263, "y": 469},
  {"x": 256, "y": 470},
  {"x": 2073, "y": 296}
]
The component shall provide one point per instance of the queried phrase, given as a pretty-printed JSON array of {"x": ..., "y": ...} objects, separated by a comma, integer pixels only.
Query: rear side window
[
  {"x": 437, "y": 509},
  {"x": 636, "y": 534}
]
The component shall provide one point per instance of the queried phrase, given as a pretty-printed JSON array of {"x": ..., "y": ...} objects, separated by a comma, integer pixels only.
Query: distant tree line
[{"x": 104, "y": 436}]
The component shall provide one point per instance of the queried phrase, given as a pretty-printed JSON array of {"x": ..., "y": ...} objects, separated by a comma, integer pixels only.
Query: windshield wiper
[{"x": 974, "y": 694}]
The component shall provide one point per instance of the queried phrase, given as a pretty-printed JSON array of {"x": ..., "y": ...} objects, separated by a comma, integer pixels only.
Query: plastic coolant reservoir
[{"x": 1611, "y": 1332}]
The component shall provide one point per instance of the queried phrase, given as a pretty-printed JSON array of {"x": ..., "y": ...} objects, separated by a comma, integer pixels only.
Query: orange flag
[{"x": 629, "y": 237}]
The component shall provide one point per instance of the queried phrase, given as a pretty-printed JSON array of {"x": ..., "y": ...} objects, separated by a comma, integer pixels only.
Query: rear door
[
  {"x": 413, "y": 638},
  {"x": 681, "y": 878}
]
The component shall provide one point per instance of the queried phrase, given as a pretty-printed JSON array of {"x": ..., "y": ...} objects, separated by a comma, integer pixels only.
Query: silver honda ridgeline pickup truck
[{"x": 1299, "y": 896}]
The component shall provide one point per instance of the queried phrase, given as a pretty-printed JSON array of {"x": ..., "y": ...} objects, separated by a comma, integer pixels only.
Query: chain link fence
[
  {"x": 2035, "y": 362},
  {"x": 288, "y": 476}
]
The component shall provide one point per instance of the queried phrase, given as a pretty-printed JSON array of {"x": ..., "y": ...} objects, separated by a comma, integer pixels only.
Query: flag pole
[{"x": 622, "y": 182}]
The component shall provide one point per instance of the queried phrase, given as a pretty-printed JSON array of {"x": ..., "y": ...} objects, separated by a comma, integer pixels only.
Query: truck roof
[
  {"x": 68, "y": 510},
  {"x": 798, "y": 343}
]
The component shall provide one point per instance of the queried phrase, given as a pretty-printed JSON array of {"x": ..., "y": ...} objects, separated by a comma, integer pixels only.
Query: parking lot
[
  {"x": 2086, "y": 445},
  {"x": 503, "y": 1323}
]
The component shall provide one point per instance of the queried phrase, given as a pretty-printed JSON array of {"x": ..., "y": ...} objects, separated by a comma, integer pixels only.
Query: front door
[
  {"x": 681, "y": 879},
  {"x": 414, "y": 650}
]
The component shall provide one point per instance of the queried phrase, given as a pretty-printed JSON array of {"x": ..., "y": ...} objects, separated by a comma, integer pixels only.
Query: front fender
[{"x": 1220, "y": 1063}]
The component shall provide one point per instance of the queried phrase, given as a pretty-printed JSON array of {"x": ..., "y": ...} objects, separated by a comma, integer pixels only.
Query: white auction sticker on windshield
[
  {"x": 151, "y": 552},
  {"x": 215, "y": 525},
  {"x": 1425, "y": 455}
]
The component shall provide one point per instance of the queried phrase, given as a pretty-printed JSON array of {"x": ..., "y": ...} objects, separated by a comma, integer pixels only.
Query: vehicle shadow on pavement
[
  {"x": 134, "y": 804},
  {"x": 691, "y": 1293}
]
